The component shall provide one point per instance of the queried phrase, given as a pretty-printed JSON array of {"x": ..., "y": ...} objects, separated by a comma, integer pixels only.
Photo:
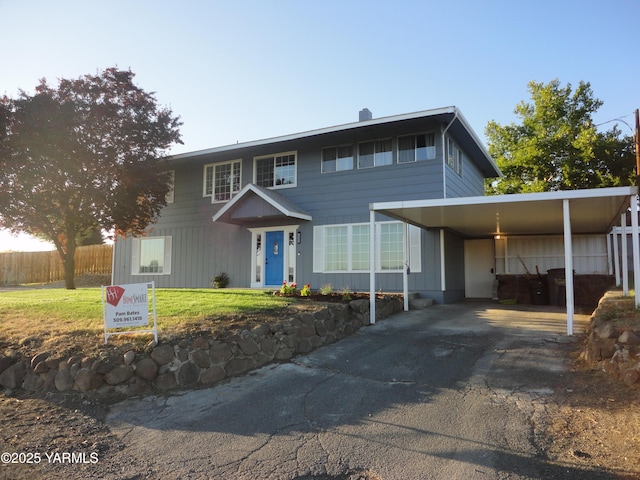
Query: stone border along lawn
[{"x": 191, "y": 362}]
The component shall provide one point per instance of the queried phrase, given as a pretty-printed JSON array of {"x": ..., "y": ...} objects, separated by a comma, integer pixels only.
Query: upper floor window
[
  {"x": 221, "y": 180},
  {"x": 455, "y": 156},
  {"x": 276, "y": 170},
  {"x": 375, "y": 154},
  {"x": 336, "y": 159},
  {"x": 414, "y": 148}
]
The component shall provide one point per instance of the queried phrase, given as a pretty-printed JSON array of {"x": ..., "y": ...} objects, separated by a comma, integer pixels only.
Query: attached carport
[{"x": 566, "y": 213}]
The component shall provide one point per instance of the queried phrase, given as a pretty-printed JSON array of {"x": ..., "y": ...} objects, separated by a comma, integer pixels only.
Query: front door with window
[{"x": 274, "y": 258}]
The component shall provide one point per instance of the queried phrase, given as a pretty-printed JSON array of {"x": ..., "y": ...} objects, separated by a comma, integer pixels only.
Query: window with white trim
[
  {"x": 336, "y": 248},
  {"x": 345, "y": 248},
  {"x": 337, "y": 159},
  {"x": 455, "y": 156},
  {"x": 360, "y": 247},
  {"x": 151, "y": 256},
  {"x": 222, "y": 180},
  {"x": 375, "y": 154},
  {"x": 391, "y": 248},
  {"x": 416, "y": 148},
  {"x": 275, "y": 170}
]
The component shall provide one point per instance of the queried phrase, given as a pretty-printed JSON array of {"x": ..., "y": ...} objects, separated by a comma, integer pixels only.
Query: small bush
[{"x": 326, "y": 289}]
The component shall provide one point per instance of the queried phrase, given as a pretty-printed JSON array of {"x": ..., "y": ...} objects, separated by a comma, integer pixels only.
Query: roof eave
[{"x": 312, "y": 133}]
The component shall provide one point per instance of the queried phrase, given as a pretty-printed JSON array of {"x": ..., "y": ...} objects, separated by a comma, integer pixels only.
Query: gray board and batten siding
[{"x": 202, "y": 249}]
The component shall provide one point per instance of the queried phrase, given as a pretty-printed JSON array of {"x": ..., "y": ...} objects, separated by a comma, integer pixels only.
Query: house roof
[
  {"x": 591, "y": 211},
  {"x": 255, "y": 205},
  {"x": 459, "y": 127}
]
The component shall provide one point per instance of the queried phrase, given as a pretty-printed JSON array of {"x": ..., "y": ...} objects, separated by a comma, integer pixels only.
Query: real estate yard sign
[{"x": 126, "y": 306}]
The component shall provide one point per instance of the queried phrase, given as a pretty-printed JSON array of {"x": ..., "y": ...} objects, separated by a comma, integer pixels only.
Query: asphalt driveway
[{"x": 453, "y": 391}]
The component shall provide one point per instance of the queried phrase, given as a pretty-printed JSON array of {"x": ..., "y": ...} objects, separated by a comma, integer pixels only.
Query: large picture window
[
  {"x": 416, "y": 148},
  {"x": 391, "y": 247},
  {"x": 151, "y": 256},
  {"x": 276, "y": 170},
  {"x": 336, "y": 248},
  {"x": 345, "y": 248},
  {"x": 222, "y": 180}
]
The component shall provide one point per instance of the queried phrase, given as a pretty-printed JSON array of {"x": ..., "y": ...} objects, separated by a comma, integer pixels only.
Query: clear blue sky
[{"x": 245, "y": 70}]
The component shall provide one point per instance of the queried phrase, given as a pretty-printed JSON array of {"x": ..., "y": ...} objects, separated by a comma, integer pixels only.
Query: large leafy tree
[
  {"x": 556, "y": 146},
  {"x": 84, "y": 156}
]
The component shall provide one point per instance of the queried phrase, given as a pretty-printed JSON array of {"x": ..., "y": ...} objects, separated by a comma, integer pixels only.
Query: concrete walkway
[{"x": 447, "y": 392}]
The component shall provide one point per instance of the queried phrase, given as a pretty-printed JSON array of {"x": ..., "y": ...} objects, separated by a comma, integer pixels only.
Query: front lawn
[{"x": 68, "y": 320}]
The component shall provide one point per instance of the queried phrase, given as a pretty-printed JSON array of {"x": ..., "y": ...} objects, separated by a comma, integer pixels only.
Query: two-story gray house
[{"x": 295, "y": 208}]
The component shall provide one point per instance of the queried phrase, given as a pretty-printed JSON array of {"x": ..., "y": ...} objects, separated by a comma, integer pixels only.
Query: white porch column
[
  {"x": 636, "y": 247},
  {"x": 616, "y": 255},
  {"x": 405, "y": 266},
  {"x": 568, "y": 265},
  {"x": 624, "y": 271},
  {"x": 372, "y": 267}
]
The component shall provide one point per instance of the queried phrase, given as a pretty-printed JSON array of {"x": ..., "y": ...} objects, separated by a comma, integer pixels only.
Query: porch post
[
  {"x": 636, "y": 247},
  {"x": 624, "y": 271},
  {"x": 616, "y": 256},
  {"x": 443, "y": 279},
  {"x": 405, "y": 266},
  {"x": 568, "y": 265},
  {"x": 372, "y": 267}
]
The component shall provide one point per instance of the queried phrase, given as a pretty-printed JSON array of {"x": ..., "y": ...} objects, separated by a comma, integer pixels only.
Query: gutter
[{"x": 444, "y": 153}]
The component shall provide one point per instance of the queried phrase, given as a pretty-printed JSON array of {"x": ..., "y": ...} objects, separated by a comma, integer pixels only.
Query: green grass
[{"x": 25, "y": 313}]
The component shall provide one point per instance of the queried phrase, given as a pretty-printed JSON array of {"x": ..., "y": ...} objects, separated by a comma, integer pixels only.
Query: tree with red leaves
[{"x": 88, "y": 154}]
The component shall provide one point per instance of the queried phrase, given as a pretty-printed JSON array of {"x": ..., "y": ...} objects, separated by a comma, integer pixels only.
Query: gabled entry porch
[{"x": 273, "y": 221}]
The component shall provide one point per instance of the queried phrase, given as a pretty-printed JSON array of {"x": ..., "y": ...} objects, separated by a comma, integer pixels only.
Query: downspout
[{"x": 444, "y": 154}]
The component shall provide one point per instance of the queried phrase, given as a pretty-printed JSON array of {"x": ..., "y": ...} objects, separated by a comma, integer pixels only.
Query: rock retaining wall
[
  {"x": 613, "y": 340},
  {"x": 194, "y": 361}
]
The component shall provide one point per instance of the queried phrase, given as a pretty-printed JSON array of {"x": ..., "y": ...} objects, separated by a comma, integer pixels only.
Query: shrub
[{"x": 326, "y": 289}]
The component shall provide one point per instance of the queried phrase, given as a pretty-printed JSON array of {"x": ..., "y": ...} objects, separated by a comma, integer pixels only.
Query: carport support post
[
  {"x": 636, "y": 247},
  {"x": 405, "y": 266},
  {"x": 568, "y": 265},
  {"x": 372, "y": 267},
  {"x": 616, "y": 256},
  {"x": 624, "y": 271}
]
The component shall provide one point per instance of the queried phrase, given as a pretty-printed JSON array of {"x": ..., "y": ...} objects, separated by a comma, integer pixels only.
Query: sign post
[{"x": 128, "y": 306}]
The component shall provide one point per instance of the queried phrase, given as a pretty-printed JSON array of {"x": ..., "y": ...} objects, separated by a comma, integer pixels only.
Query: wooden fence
[{"x": 17, "y": 268}]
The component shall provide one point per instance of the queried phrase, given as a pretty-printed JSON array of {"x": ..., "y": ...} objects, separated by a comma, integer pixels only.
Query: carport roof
[{"x": 591, "y": 211}]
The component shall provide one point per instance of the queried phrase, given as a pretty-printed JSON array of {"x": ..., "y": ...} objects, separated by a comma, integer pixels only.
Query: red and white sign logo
[{"x": 114, "y": 294}]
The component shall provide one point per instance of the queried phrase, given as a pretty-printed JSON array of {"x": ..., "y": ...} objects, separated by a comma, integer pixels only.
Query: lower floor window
[
  {"x": 391, "y": 248},
  {"x": 345, "y": 248},
  {"x": 151, "y": 256}
]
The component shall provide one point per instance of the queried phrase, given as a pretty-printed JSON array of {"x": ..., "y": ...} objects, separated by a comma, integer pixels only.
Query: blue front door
[{"x": 274, "y": 258}]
